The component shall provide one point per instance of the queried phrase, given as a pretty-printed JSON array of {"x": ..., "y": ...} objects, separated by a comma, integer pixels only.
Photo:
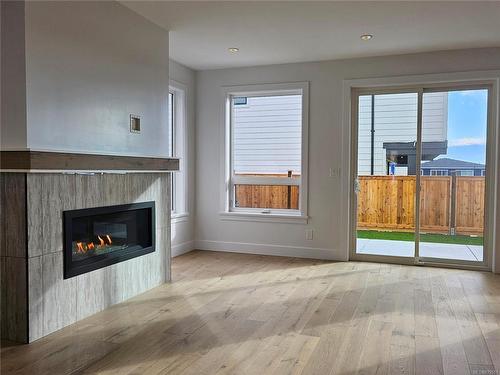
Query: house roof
[
  {"x": 447, "y": 163},
  {"x": 430, "y": 150}
]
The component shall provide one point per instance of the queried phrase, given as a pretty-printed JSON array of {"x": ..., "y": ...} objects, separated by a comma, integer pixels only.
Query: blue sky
[{"x": 467, "y": 119}]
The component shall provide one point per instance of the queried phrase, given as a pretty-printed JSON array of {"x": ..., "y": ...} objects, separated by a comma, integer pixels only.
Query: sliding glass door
[
  {"x": 386, "y": 177},
  {"x": 453, "y": 175},
  {"x": 420, "y": 182}
]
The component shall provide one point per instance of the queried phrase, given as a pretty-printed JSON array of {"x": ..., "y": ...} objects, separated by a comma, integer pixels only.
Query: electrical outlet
[{"x": 309, "y": 234}]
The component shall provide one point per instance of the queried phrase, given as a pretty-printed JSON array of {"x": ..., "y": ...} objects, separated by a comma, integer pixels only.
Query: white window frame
[
  {"x": 179, "y": 150},
  {"x": 228, "y": 212},
  {"x": 439, "y": 172},
  {"x": 171, "y": 134},
  {"x": 470, "y": 172},
  {"x": 439, "y": 81}
]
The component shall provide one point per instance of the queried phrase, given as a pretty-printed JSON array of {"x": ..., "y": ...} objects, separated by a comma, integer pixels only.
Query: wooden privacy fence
[
  {"x": 267, "y": 196},
  {"x": 447, "y": 203}
]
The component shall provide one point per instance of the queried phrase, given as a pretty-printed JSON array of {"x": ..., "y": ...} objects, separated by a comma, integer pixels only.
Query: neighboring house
[
  {"x": 452, "y": 167},
  {"x": 392, "y": 120},
  {"x": 273, "y": 123},
  {"x": 267, "y": 134}
]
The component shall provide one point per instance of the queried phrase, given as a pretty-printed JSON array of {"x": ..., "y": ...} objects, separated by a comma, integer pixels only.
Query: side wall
[
  {"x": 326, "y": 194},
  {"x": 183, "y": 227},
  {"x": 89, "y": 66},
  {"x": 13, "y": 77}
]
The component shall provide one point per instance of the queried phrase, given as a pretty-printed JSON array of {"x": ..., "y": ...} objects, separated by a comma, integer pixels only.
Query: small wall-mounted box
[{"x": 135, "y": 124}]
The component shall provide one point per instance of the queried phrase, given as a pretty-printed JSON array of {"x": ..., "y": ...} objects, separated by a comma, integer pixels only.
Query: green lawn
[{"x": 405, "y": 236}]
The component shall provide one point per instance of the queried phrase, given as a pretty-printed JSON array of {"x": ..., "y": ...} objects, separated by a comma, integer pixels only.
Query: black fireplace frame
[{"x": 103, "y": 260}]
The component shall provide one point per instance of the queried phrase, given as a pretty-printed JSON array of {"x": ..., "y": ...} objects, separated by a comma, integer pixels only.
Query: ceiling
[{"x": 284, "y": 32}]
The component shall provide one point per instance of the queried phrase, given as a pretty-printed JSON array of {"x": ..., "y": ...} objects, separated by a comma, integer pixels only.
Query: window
[
  {"x": 266, "y": 149},
  {"x": 171, "y": 123},
  {"x": 177, "y": 147},
  {"x": 239, "y": 100},
  {"x": 483, "y": 172},
  {"x": 439, "y": 172},
  {"x": 465, "y": 172}
]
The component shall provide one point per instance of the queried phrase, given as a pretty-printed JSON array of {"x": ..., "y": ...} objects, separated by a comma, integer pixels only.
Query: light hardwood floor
[{"x": 247, "y": 314}]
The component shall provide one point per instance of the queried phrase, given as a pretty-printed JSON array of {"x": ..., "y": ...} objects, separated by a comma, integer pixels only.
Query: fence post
[
  {"x": 453, "y": 204},
  {"x": 289, "y": 190}
]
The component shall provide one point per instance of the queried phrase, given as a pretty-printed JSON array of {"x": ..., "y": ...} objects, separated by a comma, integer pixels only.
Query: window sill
[
  {"x": 264, "y": 218},
  {"x": 179, "y": 217}
]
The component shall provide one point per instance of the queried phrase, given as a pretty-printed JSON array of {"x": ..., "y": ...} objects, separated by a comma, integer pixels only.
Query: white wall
[
  {"x": 326, "y": 194},
  {"x": 89, "y": 65},
  {"x": 183, "y": 228},
  {"x": 13, "y": 77}
]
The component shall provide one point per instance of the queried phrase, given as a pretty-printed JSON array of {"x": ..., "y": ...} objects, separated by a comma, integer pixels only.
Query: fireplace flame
[
  {"x": 83, "y": 247},
  {"x": 101, "y": 242}
]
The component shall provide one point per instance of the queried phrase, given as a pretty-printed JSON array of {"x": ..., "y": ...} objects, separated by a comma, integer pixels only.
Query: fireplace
[{"x": 98, "y": 237}]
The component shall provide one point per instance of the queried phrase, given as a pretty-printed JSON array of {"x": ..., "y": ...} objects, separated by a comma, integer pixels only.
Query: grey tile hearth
[
  {"x": 36, "y": 296},
  {"x": 35, "y": 215},
  {"x": 58, "y": 295},
  {"x": 55, "y": 302},
  {"x": 14, "y": 245}
]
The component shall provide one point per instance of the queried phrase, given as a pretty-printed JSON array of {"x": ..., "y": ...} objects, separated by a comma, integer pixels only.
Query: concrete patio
[{"x": 427, "y": 249}]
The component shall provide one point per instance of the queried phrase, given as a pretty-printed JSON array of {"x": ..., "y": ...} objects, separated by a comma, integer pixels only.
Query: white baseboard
[
  {"x": 182, "y": 248},
  {"x": 276, "y": 250}
]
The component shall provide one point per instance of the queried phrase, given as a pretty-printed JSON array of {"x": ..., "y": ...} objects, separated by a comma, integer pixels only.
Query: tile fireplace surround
[{"x": 36, "y": 300}]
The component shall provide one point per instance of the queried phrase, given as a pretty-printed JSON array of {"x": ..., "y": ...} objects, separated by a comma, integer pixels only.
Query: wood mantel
[{"x": 58, "y": 161}]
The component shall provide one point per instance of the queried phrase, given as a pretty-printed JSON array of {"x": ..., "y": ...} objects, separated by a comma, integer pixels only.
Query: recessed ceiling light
[
  {"x": 233, "y": 49},
  {"x": 366, "y": 37}
]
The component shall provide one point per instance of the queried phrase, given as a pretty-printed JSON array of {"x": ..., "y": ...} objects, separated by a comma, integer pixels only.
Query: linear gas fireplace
[{"x": 98, "y": 237}]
